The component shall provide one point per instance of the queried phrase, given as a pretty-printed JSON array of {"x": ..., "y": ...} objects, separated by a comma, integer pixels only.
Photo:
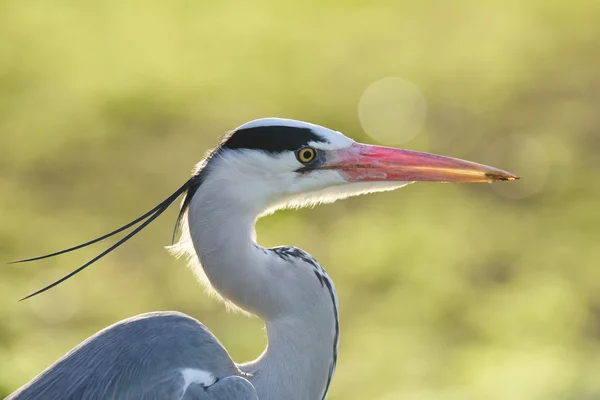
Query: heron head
[{"x": 274, "y": 163}]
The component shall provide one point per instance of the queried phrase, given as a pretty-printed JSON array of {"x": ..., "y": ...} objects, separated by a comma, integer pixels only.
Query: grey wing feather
[{"x": 138, "y": 358}]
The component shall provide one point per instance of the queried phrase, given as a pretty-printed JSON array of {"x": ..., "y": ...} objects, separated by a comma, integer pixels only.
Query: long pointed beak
[{"x": 361, "y": 162}]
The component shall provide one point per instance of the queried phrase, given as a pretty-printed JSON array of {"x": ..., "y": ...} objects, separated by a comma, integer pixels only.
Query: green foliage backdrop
[{"x": 446, "y": 291}]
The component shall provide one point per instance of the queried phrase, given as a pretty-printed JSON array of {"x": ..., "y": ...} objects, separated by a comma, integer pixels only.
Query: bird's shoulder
[{"x": 137, "y": 357}]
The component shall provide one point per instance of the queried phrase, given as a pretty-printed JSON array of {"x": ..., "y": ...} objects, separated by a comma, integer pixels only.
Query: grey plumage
[{"x": 110, "y": 365}]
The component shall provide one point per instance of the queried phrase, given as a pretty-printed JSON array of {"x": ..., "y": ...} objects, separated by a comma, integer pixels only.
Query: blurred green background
[{"x": 446, "y": 291}]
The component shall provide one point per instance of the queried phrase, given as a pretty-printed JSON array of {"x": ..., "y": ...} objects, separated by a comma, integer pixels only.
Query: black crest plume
[{"x": 147, "y": 218}]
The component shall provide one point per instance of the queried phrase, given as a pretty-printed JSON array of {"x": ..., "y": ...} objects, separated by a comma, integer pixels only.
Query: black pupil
[{"x": 306, "y": 155}]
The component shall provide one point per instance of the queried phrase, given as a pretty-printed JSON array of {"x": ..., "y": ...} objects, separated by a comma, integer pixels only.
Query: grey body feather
[{"x": 142, "y": 358}]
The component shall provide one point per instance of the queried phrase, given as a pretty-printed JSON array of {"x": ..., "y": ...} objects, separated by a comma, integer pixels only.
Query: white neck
[{"x": 298, "y": 310}]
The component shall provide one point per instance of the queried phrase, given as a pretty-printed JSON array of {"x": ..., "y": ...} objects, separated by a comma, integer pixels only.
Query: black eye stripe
[{"x": 272, "y": 139}]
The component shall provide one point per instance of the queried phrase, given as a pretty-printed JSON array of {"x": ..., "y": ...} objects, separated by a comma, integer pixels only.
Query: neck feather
[{"x": 299, "y": 311}]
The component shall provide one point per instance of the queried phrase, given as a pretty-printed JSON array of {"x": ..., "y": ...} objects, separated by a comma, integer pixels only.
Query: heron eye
[{"x": 306, "y": 155}]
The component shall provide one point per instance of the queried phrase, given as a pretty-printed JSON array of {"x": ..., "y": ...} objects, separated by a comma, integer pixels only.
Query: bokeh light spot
[{"x": 392, "y": 110}]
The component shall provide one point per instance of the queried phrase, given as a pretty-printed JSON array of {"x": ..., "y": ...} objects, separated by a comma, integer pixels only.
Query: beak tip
[{"x": 498, "y": 177}]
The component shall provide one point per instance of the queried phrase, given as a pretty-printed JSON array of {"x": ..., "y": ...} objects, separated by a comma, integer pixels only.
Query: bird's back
[{"x": 157, "y": 355}]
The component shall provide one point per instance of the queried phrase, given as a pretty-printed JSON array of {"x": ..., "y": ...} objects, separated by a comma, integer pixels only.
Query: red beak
[{"x": 361, "y": 162}]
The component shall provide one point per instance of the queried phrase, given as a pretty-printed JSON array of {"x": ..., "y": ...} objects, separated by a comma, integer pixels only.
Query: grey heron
[{"x": 260, "y": 167}]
